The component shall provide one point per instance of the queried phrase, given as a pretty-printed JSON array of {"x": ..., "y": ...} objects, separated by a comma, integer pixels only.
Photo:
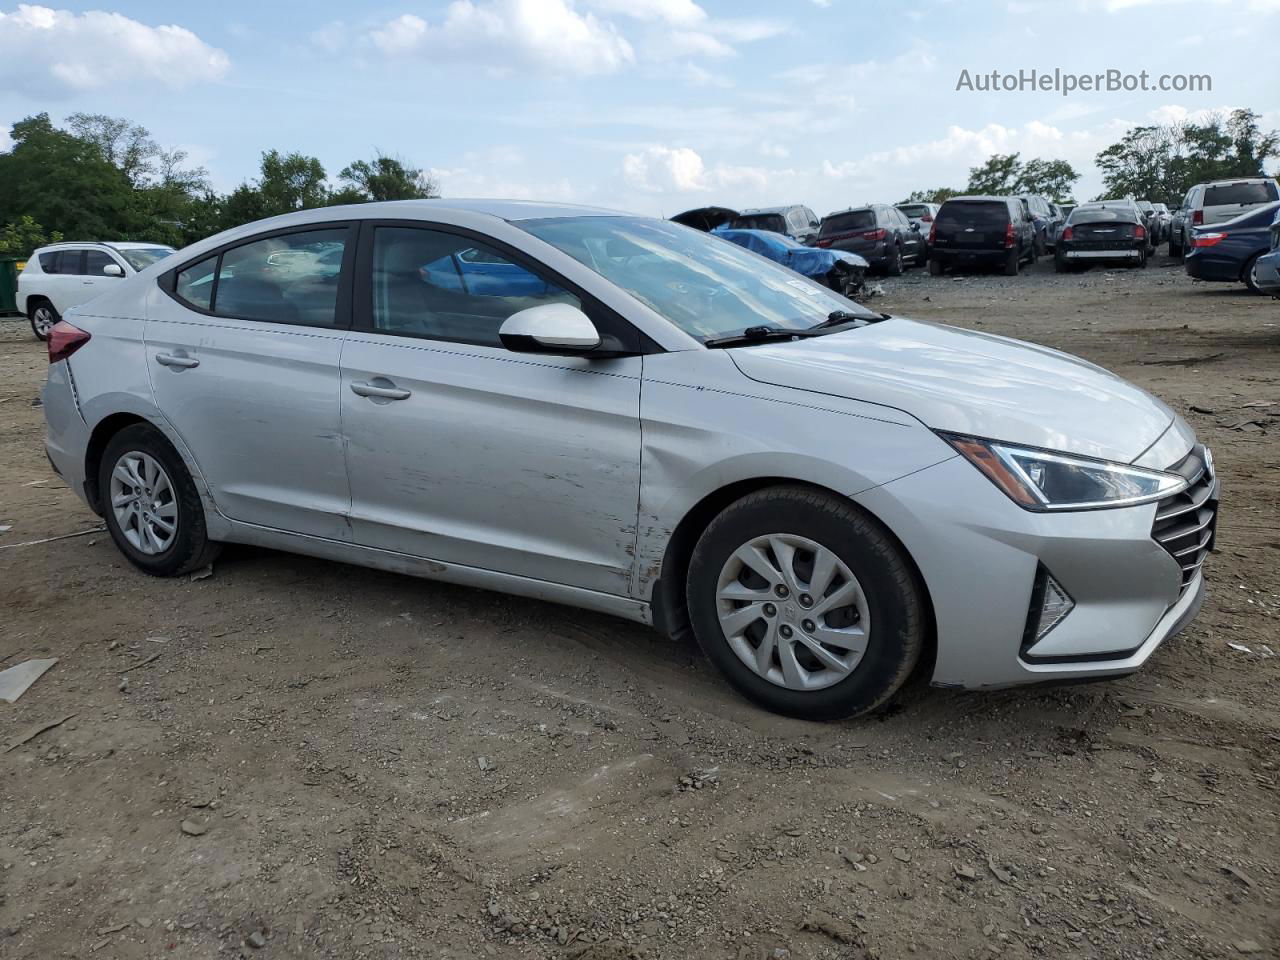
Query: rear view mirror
[
  {"x": 553, "y": 328},
  {"x": 112, "y": 270}
]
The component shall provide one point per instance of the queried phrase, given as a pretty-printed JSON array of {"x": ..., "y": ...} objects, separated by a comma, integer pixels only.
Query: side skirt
[{"x": 234, "y": 531}]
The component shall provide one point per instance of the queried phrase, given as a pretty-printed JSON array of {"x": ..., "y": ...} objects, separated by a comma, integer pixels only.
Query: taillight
[
  {"x": 933, "y": 234},
  {"x": 825, "y": 242},
  {"x": 874, "y": 234},
  {"x": 1139, "y": 232},
  {"x": 1067, "y": 233},
  {"x": 1008, "y": 235},
  {"x": 1207, "y": 239},
  {"x": 1197, "y": 218},
  {"x": 64, "y": 340}
]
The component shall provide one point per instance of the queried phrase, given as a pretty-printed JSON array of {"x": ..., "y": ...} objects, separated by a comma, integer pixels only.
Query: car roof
[
  {"x": 865, "y": 206},
  {"x": 783, "y": 209},
  {"x": 983, "y": 197},
  {"x": 501, "y": 209},
  {"x": 1231, "y": 180},
  {"x": 110, "y": 244}
]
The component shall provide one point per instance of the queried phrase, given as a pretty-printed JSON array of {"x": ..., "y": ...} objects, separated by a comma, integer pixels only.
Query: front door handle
[
  {"x": 174, "y": 360},
  {"x": 389, "y": 392}
]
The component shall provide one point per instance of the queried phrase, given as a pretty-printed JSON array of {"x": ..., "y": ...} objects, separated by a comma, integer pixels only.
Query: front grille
[{"x": 1186, "y": 522}]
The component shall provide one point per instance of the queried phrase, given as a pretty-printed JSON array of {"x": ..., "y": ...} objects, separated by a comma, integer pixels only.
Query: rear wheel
[
  {"x": 806, "y": 604},
  {"x": 43, "y": 317},
  {"x": 935, "y": 267},
  {"x": 1012, "y": 262},
  {"x": 894, "y": 266},
  {"x": 1175, "y": 249},
  {"x": 1060, "y": 265},
  {"x": 151, "y": 504}
]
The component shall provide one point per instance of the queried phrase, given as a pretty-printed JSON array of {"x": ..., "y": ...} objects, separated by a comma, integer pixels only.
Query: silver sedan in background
[{"x": 624, "y": 414}]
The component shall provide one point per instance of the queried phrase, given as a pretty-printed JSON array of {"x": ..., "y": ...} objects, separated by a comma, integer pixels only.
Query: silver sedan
[{"x": 624, "y": 414}]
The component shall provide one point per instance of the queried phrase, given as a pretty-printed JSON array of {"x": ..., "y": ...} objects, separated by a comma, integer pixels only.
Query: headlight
[{"x": 1041, "y": 480}]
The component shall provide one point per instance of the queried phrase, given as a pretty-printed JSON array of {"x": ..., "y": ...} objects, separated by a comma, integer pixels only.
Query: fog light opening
[{"x": 1050, "y": 605}]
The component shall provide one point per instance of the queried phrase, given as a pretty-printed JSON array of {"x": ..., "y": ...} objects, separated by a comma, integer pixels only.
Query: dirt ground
[{"x": 295, "y": 758}]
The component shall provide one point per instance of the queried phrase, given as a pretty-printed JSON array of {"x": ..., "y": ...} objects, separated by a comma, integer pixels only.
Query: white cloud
[
  {"x": 681, "y": 13},
  {"x": 473, "y": 176},
  {"x": 549, "y": 34},
  {"x": 5, "y": 142},
  {"x": 690, "y": 43},
  {"x": 662, "y": 169},
  {"x": 46, "y": 52}
]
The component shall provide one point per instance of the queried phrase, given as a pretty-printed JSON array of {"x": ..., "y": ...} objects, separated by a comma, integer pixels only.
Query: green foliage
[
  {"x": 1005, "y": 175},
  {"x": 937, "y": 195},
  {"x": 102, "y": 177},
  {"x": 20, "y": 238},
  {"x": 1160, "y": 163},
  {"x": 384, "y": 178}
]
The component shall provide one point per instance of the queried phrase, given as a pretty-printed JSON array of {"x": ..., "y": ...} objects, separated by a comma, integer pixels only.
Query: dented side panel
[
  {"x": 707, "y": 426},
  {"x": 522, "y": 464}
]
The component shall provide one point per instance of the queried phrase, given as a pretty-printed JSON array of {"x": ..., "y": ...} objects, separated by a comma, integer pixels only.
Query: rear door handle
[
  {"x": 173, "y": 360},
  {"x": 390, "y": 392}
]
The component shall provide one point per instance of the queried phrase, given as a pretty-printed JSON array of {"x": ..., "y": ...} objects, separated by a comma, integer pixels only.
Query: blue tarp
[{"x": 810, "y": 261}]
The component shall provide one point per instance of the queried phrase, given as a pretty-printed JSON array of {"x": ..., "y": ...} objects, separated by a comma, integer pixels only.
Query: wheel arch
[
  {"x": 102, "y": 433},
  {"x": 667, "y": 601}
]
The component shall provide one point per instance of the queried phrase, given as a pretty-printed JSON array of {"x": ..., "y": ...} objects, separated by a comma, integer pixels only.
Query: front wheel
[
  {"x": 1250, "y": 274},
  {"x": 151, "y": 504},
  {"x": 806, "y": 604},
  {"x": 43, "y": 318}
]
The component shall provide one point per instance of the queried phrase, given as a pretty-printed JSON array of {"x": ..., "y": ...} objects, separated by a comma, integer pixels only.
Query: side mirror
[
  {"x": 915, "y": 226},
  {"x": 553, "y": 328},
  {"x": 112, "y": 270}
]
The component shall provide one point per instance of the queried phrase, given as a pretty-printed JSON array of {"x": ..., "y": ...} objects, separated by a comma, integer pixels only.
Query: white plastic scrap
[{"x": 15, "y": 681}]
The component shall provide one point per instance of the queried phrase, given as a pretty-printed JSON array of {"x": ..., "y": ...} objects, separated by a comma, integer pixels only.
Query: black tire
[
  {"x": 1061, "y": 266},
  {"x": 1175, "y": 249},
  {"x": 935, "y": 267},
  {"x": 36, "y": 312},
  {"x": 923, "y": 258},
  {"x": 894, "y": 265},
  {"x": 1247, "y": 275},
  {"x": 191, "y": 548},
  {"x": 1031, "y": 261},
  {"x": 1142, "y": 261},
  {"x": 1012, "y": 262},
  {"x": 895, "y": 598}
]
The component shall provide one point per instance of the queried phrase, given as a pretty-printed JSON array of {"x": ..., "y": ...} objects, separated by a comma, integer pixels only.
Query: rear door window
[
  {"x": 761, "y": 221},
  {"x": 1235, "y": 193},
  {"x": 284, "y": 279},
  {"x": 63, "y": 262}
]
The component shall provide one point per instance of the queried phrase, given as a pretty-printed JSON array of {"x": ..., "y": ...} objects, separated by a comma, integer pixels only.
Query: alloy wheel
[
  {"x": 42, "y": 320},
  {"x": 143, "y": 502},
  {"x": 793, "y": 612}
]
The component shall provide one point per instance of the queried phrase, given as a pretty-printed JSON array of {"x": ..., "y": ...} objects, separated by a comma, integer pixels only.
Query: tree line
[
  {"x": 1159, "y": 162},
  {"x": 99, "y": 176}
]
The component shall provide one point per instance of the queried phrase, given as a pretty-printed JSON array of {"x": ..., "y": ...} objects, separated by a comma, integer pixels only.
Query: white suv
[
  {"x": 65, "y": 275},
  {"x": 1217, "y": 202}
]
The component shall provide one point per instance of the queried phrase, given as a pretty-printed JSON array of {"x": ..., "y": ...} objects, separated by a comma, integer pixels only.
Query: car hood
[{"x": 971, "y": 383}]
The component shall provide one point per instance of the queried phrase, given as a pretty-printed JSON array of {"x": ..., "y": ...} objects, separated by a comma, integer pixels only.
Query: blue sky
[{"x": 647, "y": 105}]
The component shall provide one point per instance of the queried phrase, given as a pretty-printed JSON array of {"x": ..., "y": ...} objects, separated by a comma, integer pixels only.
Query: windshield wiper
[{"x": 759, "y": 334}]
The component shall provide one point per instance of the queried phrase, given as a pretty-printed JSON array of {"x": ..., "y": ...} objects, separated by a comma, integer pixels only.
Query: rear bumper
[
  {"x": 952, "y": 255},
  {"x": 67, "y": 435},
  {"x": 1269, "y": 273},
  {"x": 1203, "y": 265},
  {"x": 1102, "y": 254}
]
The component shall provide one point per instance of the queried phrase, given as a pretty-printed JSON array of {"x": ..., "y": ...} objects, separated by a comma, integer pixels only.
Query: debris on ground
[
  {"x": 17, "y": 680},
  {"x": 32, "y": 732}
]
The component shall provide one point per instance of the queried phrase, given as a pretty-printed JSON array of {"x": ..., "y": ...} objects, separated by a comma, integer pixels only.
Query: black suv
[
  {"x": 982, "y": 231},
  {"x": 882, "y": 234}
]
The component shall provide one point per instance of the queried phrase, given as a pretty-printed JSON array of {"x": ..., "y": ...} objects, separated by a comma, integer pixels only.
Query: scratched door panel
[{"x": 528, "y": 465}]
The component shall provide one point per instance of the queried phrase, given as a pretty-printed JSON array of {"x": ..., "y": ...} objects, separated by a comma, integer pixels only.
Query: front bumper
[
  {"x": 979, "y": 555},
  {"x": 1269, "y": 273}
]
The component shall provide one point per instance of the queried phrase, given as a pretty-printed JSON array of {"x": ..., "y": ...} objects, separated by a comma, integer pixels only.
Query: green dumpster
[{"x": 9, "y": 267}]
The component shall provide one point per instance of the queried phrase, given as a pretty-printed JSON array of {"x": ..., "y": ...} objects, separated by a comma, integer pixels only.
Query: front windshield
[
  {"x": 705, "y": 285},
  {"x": 142, "y": 257}
]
